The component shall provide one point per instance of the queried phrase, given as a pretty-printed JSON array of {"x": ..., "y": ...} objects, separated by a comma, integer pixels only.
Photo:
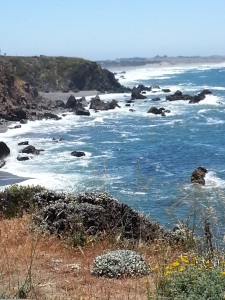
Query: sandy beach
[{"x": 64, "y": 96}]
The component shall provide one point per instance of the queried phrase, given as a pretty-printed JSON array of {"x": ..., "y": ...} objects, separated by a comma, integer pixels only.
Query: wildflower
[
  {"x": 207, "y": 262},
  {"x": 167, "y": 273},
  {"x": 223, "y": 273},
  {"x": 146, "y": 281},
  {"x": 186, "y": 261},
  {"x": 222, "y": 262},
  {"x": 199, "y": 269},
  {"x": 175, "y": 264},
  {"x": 182, "y": 269},
  {"x": 168, "y": 268}
]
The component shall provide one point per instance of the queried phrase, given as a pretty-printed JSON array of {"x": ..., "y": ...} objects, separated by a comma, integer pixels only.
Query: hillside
[{"x": 61, "y": 73}]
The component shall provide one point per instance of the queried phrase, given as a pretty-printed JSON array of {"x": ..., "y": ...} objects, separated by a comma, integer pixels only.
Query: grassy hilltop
[{"x": 61, "y": 73}]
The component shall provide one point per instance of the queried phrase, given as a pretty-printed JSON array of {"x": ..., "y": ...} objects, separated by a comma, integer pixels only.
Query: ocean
[{"x": 141, "y": 159}]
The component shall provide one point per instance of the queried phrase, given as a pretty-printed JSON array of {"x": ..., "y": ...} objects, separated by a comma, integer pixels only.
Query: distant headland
[{"x": 140, "y": 61}]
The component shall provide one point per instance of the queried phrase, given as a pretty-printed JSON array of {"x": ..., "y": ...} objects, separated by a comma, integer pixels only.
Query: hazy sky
[{"x": 109, "y": 29}]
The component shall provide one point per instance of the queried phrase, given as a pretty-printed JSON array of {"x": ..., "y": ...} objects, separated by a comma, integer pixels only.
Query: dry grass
[{"x": 59, "y": 271}]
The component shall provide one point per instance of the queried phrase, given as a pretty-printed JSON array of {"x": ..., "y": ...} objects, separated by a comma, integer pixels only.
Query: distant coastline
[{"x": 161, "y": 60}]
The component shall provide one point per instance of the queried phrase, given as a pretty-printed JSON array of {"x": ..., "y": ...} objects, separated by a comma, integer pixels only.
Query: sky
[{"x": 111, "y": 29}]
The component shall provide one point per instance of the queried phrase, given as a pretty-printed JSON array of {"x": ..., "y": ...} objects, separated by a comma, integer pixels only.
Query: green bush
[
  {"x": 192, "y": 279},
  {"x": 16, "y": 199}
]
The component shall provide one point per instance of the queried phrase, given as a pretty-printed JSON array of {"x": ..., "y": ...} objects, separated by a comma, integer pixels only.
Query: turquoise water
[{"x": 141, "y": 159}]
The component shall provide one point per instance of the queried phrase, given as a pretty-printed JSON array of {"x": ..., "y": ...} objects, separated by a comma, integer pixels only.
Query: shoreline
[{"x": 7, "y": 179}]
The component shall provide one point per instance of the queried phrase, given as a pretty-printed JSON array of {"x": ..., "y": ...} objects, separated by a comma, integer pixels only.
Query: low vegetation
[{"x": 38, "y": 264}]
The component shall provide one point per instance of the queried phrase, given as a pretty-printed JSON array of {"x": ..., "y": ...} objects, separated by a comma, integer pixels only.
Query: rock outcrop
[
  {"x": 158, "y": 111},
  {"x": 4, "y": 150},
  {"x": 198, "y": 176},
  {"x": 178, "y": 95},
  {"x": 98, "y": 104}
]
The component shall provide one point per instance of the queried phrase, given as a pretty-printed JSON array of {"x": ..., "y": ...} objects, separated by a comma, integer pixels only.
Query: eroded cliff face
[
  {"x": 62, "y": 74},
  {"x": 14, "y": 92}
]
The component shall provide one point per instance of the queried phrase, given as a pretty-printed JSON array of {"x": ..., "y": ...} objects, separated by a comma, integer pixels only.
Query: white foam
[
  {"x": 210, "y": 100},
  {"x": 213, "y": 181}
]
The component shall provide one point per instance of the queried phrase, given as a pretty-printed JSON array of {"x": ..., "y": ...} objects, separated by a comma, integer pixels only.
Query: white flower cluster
[{"x": 120, "y": 263}]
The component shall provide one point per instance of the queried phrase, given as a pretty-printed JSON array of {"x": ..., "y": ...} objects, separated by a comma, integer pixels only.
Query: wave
[
  {"x": 135, "y": 75},
  {"x": 213, "y": 181}
]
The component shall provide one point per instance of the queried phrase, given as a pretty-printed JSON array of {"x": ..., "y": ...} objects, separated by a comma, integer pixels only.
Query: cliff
[{"x": 61, "y": 73}]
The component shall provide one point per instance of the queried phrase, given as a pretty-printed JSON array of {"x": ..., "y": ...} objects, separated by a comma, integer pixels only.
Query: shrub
[
  {"x": 16, "y": 199},
  {"x": 120, "y": 263},
  {"x": 189, "y": 278}
]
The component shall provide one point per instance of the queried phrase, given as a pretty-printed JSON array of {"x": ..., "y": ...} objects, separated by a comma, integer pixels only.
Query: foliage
[
  {"x": 120, "y": 263},
  {"x": 192, "y": 278},
  {"x": 16, "y": 199}
]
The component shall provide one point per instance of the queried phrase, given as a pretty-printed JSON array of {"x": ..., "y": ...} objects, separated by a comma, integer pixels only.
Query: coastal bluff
[
  {"x": 61, "y": 73},
  {"x": 23, "y": 78}
]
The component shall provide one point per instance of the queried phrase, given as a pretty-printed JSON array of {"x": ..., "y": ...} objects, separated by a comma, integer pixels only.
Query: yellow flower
[
  {"x": 223, "y": 273},
  {"x": 182, "y": 269},
  {"x": 167, "y": 273},
  {"x": 194, "y": 259},
  {"x": 146, "y": 281},
  {"x": 192, "y": 265},
  {"x": 184, "y": 260},
  {"x": 168, "y": 268},
  {"x": 207, "y": 262},
  {"x": 175, "y": 264},
  {"x": 199, "y": 269},
  {"x": 222, "y": 262}
]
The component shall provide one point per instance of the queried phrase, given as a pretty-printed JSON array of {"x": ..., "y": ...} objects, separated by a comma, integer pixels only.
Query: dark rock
[
  {"x": 23, "y": 121},
  {"x": 22, "y": 158},
  {"x": 142, "y": 88},
  {"x": 2, "y": 163},
  {"x": 154, "y": 87},
  {"x": 178, "y": 96},
  {"x": 16, "y": 115},
  {"x": 156, "y": 99},
  {"x": 166, "y": 90},
  {"x": 82, "y": 112},
  {"x": 4, "y": 150},
  {"x": 136, "y": 94},
  {"x": 57, "y": 140},
  {"x": 132, "y": 110},
  {"x": 201, "y": 96},
  {"x": 25, "y": 143},
  {"x": 130, "y": 101},
  {"x": 59, "y": 103},
  {"x": 198, "y": 176},
  {"x": 34, "y": 93},
  {"x": 158, "y": 111},
  {"x": 83, "y": 101},
  {"x": 17, "y": 126},
  {"x": 50, "y": 115},
  {"x": 78, "y": 153},
  {"x": 98, "y": 104},
  {"x": 30, "y": 150},
  {"x": 71, "y": 102}
]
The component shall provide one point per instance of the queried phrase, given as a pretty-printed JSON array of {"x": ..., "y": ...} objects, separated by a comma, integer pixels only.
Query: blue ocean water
[{"x": 141, "y": 159}]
